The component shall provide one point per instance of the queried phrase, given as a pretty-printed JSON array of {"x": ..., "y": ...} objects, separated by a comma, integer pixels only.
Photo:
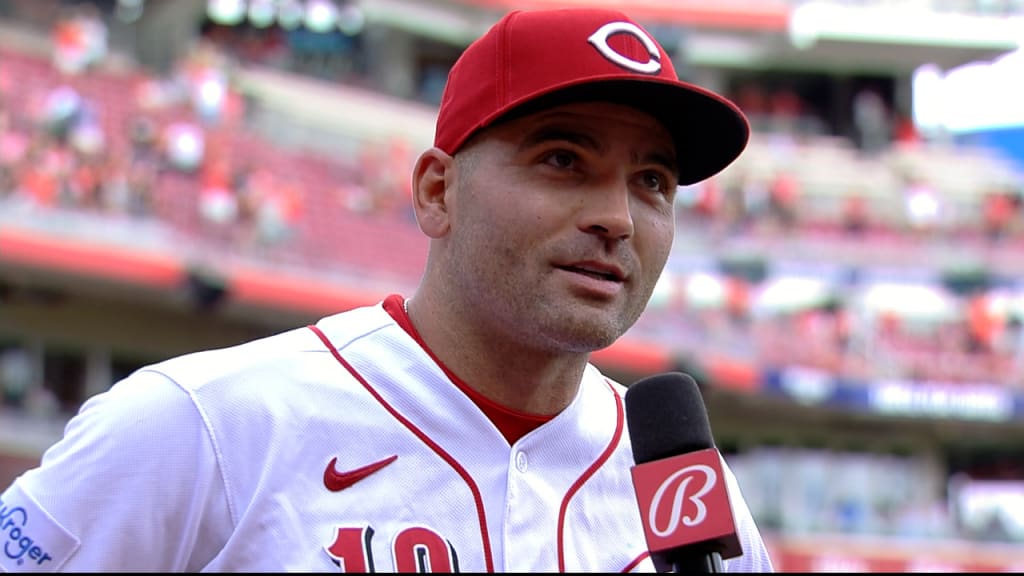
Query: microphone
[{"x": 678, "y": 476}]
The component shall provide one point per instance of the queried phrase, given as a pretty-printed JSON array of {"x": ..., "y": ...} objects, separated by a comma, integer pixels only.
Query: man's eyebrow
[
  {"x": 554, "y": 133},
  {"x": 664, "y": 159}
]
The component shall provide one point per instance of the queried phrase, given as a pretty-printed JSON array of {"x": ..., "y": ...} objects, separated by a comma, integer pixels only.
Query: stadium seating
[{"x": 327, "y": 227}]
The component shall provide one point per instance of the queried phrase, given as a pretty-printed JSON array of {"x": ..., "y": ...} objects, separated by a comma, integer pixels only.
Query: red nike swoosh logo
[{"x": 337, "y": 481}]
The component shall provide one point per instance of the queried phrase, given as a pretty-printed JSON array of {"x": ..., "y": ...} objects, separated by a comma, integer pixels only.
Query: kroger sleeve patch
[{"x": 30, "y": 539}]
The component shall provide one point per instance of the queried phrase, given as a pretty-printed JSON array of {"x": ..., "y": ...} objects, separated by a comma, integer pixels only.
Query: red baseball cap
[{"x": 535, "y": 59}]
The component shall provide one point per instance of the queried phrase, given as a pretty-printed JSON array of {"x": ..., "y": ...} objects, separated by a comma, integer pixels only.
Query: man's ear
[{"x": 433, "y": 170}]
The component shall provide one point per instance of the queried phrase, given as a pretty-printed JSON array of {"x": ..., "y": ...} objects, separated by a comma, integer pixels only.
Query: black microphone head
[{"x": 666, "y": 417}]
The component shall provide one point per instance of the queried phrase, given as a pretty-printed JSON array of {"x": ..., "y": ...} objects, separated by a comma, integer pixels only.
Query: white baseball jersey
[{"x": 339, "y": 447}]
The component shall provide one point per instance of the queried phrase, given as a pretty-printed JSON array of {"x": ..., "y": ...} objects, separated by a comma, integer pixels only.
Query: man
[{"x": 462, "y": 429}]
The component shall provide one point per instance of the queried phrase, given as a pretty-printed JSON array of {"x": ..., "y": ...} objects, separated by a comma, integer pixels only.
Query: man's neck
[{"x": 505, "y": 372}]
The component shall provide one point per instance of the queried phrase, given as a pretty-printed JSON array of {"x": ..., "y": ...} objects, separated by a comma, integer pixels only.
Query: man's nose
[{"x": 607, "y": 212}]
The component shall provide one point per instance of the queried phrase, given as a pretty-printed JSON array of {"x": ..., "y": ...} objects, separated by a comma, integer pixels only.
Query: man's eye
[
  {"x": 561, "y": 159},
  {"x": 655, "y": 182}
]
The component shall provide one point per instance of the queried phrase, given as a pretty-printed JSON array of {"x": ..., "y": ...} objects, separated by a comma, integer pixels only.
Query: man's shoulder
[
  {"x": 280, "y": 356},
  {"x": 215, "y": 363},
  {"x": 341, "y": 328}
]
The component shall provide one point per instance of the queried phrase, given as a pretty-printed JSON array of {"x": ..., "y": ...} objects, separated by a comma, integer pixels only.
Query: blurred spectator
[
  {"x": 184, "y": 145},
  {"x": 218, "y": 203},
  {"x": 61, "y": 111},
  {"x": 983, "y": 326},
  {"x": 128, "y": 187},
  {"x": 855, "y": 217},
  {"x": 41, "y": 401},
  {"x": 783, "y": 199},
  {"x": 144, "y": 138},
  {"x": 999, "y": 212},
  {"x": 871, "y": 122},
  {"x": 400, "y": 159},
  {"x": 15, "y": 375},
  {"x": 382, "y": 165},
  {"x": 79, "y": 39},
  {"x": 203, "y": 75},
  {"x": 8, "y": 183},
  {"x": 12, "y": 147},
  {"x": 87, "y": 137},
  {"x": 354, "y": 195},
  {"x": 83, "y": 182},
  {"x": 1013, "y": 345},
  {"x": 752, "y": 100},
  {"x": 279, "y": 211},
  {"x": 922, "y": 204},
  {"x": 905, "y": 132},
  {"x": 735, "y": 205},
  {"x": 756, "y": 197},
  {"x": 38, "y": 173},
  {"x": 786, "y": 112},
  {"x": 709, "y": 199},
  {"x": 737, "y": 300}
]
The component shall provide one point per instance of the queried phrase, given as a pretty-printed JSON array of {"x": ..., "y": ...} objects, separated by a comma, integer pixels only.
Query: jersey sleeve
[{"x": 133, "y": 485}]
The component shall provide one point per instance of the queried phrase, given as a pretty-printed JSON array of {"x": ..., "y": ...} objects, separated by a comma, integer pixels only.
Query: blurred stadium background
[{"x": 177, "y": 175}]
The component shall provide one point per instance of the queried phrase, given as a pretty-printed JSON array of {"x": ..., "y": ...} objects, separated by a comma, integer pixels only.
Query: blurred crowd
[
  {"x": 177, "y": 149},
  {"x": 130, "y": 144},
  {"x": 974, "y": 344}
]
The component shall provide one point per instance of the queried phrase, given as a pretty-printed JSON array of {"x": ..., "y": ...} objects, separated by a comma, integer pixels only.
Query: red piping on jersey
[
  {"x": 481, "y": 515},
  {"x": 616, "y": 438}
]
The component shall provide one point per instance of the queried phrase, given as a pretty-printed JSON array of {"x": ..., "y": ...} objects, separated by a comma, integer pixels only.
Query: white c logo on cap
[{"x": 600, "y": 41}]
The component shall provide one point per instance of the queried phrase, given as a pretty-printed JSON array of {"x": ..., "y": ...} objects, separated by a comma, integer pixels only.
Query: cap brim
[{"x": 709, "y": 131}]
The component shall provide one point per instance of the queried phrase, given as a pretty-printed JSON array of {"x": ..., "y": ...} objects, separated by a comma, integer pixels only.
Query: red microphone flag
[{"x": 684, "y": 503}]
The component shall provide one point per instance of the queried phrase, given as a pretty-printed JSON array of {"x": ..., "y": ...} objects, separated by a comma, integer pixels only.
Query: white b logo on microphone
[
  {"x": 679, "y": 499},
  {"x": 600, "y": 41}
]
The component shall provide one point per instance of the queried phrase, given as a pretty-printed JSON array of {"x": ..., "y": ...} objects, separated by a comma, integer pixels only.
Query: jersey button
[{"x": 521, "y": 463}]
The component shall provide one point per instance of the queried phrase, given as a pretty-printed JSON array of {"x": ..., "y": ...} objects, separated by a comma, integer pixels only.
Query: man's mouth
[{"x": 595, "y": 272}]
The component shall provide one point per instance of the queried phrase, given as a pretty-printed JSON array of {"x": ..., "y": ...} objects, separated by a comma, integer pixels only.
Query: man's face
[{"x": 560, "y": 224}]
